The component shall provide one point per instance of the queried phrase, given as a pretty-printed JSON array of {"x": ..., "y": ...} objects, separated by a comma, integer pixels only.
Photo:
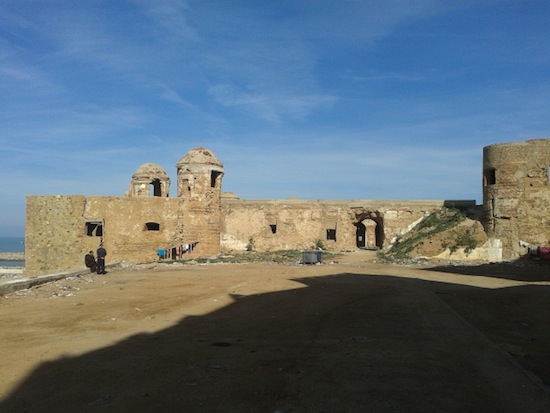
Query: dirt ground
[{"x": 347, "y": 336}]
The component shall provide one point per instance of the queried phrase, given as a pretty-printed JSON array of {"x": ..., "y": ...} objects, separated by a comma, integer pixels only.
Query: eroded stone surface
[{"x": 516, "y": 194}]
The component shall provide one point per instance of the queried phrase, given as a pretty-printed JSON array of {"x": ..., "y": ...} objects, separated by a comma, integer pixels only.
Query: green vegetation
[
  {"x": 434, "y": 223},
  {"x": 318, "y": 245},
  {"x": 464, "y": 239},
  {"x": 250, "y": 245}
]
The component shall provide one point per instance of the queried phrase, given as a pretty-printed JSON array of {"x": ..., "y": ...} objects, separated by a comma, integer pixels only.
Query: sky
[{"x": 315, "y": 99}]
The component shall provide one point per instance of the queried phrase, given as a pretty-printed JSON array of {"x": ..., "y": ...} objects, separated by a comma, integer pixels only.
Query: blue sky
[{"x": 316, "y": 99}]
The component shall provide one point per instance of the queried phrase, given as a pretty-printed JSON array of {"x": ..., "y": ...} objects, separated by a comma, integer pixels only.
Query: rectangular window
[
  {"x": 152, "y": 226},
  {"x": 155, "y": 188},
  {"x": 214, "y": 179},
  {"x": 489, "y": 177},
  {"x": 331, "y": 234},
  {"x": 94, "y": 228}
]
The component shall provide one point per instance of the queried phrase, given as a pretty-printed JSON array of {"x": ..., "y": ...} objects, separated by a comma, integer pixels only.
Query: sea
[{"x": 12, "y": 244}]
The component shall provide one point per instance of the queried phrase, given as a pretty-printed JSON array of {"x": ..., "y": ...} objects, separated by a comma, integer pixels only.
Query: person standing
[
  {"x": 89, "y": 261},
  {"x": 101, "y": 254}
]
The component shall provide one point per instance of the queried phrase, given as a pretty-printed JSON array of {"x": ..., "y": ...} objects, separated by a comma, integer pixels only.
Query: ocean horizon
[{"x": 12, "y": 244}]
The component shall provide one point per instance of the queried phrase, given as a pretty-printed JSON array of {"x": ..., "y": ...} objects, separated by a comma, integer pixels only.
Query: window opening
[
  {"x": 489, "y": 177},
  {"x": 155, "y": 188},
  {"x": 94, "y": 228},
  {"x": 273, "y": 228},
  {"x": 214, "y": 179},
  {"x": 331, "y": 234},
  {"x": 152, "y": 226}
]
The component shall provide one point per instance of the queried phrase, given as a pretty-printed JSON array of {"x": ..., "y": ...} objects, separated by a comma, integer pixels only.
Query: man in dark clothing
[
  {"x": 89, "y": 261},
  {"x": 101, "y": 254}
]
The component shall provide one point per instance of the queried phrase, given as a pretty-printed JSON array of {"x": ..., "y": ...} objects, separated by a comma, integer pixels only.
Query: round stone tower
[
  {"x": 149, "y": 179},
  {"x": 516, "y": 194},
  {"x": 199, "y": 175}
]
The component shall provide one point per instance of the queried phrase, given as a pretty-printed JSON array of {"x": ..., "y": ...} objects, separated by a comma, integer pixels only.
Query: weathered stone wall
[
  {"x": 200, "y": 175},
  {"x": 298, "y": 224},
  {"x": 57, "y": 240},
  {"x": 516, "y": 194},
  {"x": 53, "y": 235},
  {"x": 60, "y": 230},
  {"x": 125, "y": 234}
]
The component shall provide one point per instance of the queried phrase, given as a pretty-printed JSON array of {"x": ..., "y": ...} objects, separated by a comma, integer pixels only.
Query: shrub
[
  {"x": 318, "y": 245},
  {"x": 466, "y": 239},
  {"x": 250, "y": 245}
]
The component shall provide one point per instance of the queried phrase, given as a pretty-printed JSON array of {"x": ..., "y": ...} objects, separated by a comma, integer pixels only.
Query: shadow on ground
[
  {"x": 520, "y": 270},
  {"x": 343, "y": 343}
]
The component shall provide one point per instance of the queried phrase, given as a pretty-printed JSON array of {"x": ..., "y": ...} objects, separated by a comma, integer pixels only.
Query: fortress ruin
[
  {"x": 516, "y": 195},
  {"x": 201, "y": 221}
]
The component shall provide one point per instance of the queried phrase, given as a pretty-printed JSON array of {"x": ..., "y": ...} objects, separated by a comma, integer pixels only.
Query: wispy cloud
[
  {"x": 314, "y": 98},
  {"x": 171, "y": 15},
  {"x": 359, "y": 24},
  {"x": 271, "y": 107},
  {"x": 80, "y": 126},
  {"x": 362, "y": 167}
]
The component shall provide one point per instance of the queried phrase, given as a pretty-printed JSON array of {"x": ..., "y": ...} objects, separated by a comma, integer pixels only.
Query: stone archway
[{"x": 369, "y": 232}]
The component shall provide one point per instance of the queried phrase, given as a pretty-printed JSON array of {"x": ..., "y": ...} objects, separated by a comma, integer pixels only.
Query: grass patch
[{"x": 436, "y": 222}]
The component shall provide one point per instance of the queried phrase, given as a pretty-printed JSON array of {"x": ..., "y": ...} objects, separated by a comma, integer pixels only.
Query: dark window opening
[
  {"x": 214, "y": 179},
  {"x": 489, "y": 177},
  {"x": 331, "y": 234},
  {"x": 94, "y": 229},
  {"x": 155, "y": 188},
  {"x": 273, "y": 228},
  {"x": 152, "y": 226}
]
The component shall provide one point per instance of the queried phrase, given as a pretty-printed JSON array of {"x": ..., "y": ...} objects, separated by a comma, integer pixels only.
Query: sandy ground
[{"x": 352, "y": 336}]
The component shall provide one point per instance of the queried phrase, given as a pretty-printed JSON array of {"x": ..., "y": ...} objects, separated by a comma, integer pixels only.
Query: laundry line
[{"x": 177, "y": 252}]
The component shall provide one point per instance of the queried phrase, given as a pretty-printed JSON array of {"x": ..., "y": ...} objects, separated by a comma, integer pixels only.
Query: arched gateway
[{"x": 369, "y": 233}]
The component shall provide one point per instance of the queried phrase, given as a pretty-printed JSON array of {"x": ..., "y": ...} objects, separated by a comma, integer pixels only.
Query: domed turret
[
  {"x": 200, "y": 156},
  {"x": 149, "y": 179},
  {"x": 199, "y": 172}
]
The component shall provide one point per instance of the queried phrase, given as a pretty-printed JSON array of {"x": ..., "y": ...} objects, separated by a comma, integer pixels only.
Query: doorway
[{"x": 368, "y": 234}]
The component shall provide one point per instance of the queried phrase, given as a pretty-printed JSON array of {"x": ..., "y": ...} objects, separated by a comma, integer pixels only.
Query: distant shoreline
[{"x": 12, "y": 256}]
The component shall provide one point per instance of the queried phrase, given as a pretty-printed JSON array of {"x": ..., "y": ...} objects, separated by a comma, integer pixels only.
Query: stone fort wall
[
  {"x": 61, "y": 229},
  {"x": 299, "y": 224}
]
